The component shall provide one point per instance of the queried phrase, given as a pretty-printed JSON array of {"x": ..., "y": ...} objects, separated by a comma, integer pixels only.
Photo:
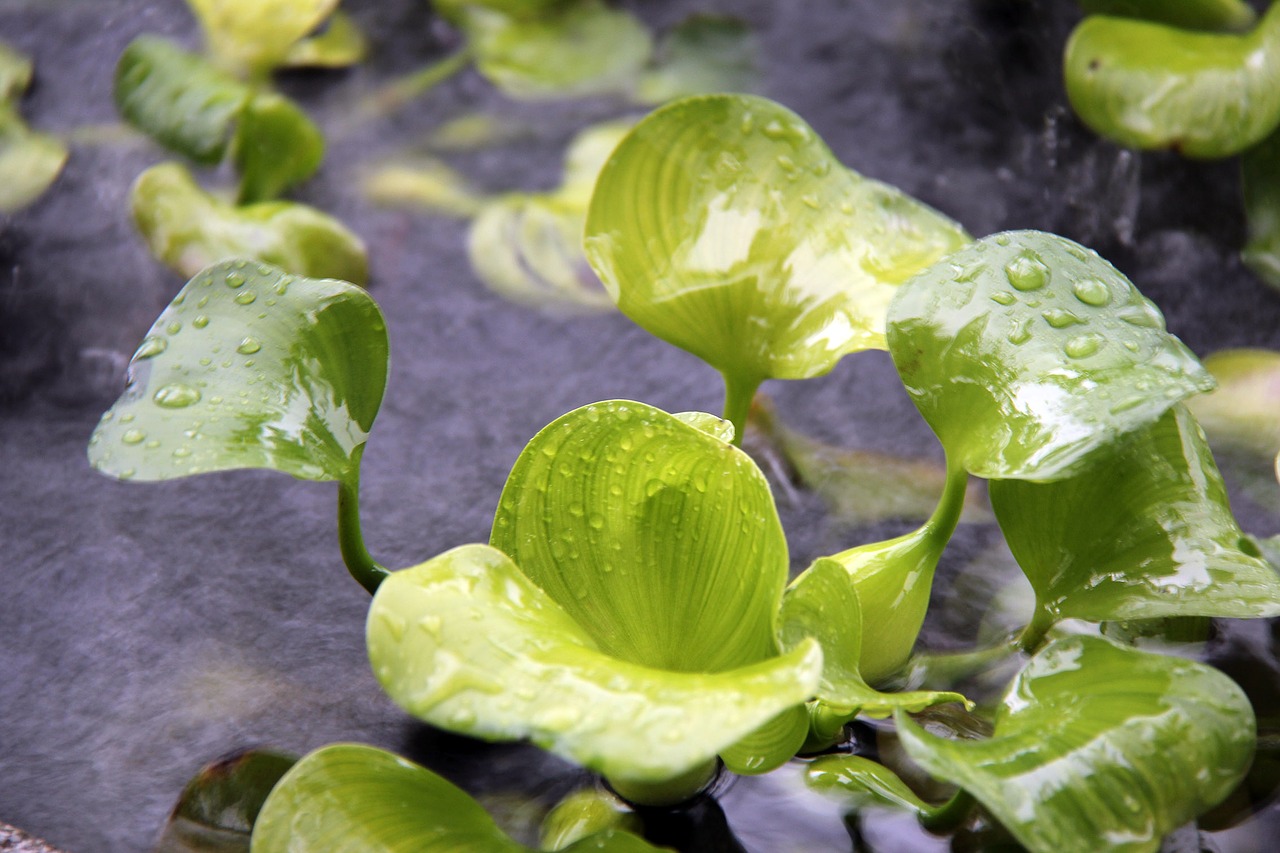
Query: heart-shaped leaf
[
  {"x": 340, "y": 44},
  {"x": 1145, "y": 531},
  {"x": 275, "y": 147},
  {"x": 724, "y": 225},
  {"x": 1260, "y": 183},
  {"x": 701, "y": 55},
  {"x": 427, "y": 183},
  {"x": 249, "y": 367},
  {"x": 178, "y": 99},
  {"x": 1026, "y": 351},
  {"x": 469, "y": 642},
  {"x": 218, "y": 808},
  {"x": 1147, "y": 85},
  {"x": 1187, "y": 14},
  {"x": 568, "y": 49},
  {"x": 352, "y": 797},
  {"x": 1098, "y": 745},
  {"x": 189, "y": 229},
  {"x": 250, "y": 37}
]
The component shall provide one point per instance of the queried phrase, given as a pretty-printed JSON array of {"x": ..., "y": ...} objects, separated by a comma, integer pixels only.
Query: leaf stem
[
  {"x": 739, "y": 391},
  {"x": 368, "y": 572},
  {"x": 400, "y": 91},
  {"x": 949, "y": 816},
  {"x": 946, "y": 515},
  {"x": 1032, "y": 636}
]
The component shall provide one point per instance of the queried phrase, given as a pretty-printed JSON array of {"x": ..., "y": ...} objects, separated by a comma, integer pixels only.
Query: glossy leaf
[
  {"x": 339, "y": 45},
  {"x": 1244, "y": 411},
  {"x": 1026, "y": 352},
  {"x": 189, "y": 229},
  {"x": 275, "y": 147},
  {"x": 1143, "y": 532},
  {"x": 658, "y": 538},
  {"x": 218, "y": 808},
  {"x": 178, "y": 98},
  {"x": 250, "y": 37},
  {"x": 351, "y": 797},
  {"x": 29, "y": 161},
  {"x": 701, "y": 55},
  {"x": 1260, "y": 182},
  {"x": 584, "y": 813},
  {"x": 723, "y": 225},
  {"x": 861, "y": 781},
  {"x": 1147, "y": 85},
  {"x": 1187, "y": 14},
  {"x": 249, "y": 367},
  {"x": 469, "y": 642},
  {"x": 1098, "y": 744},
  {"x": 571, "y": 49}
]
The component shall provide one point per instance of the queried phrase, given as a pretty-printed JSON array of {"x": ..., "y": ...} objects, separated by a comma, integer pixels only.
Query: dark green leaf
[
  {"x": 1026, "y": 351},
  {"x": 861, "y": 781},
  {"x": 275, "y": 147},
  {"x": 218, "y": 808},
  {"x": 1097, "y": 746},
  {"x": 250, "y": 368}
]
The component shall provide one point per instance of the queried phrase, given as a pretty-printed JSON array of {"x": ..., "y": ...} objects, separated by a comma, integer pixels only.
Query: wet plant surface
[{"x": 149, "y": 630}]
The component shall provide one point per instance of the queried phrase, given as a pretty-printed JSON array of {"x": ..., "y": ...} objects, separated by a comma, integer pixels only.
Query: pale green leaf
[
  {"x": 1026, "y": 351},
  {"x": 703, "y": 54},
  {"x": 470, "y": 643},
  {"x": 725, "y": 226},
  {"x": 217, "y": 809},
  {"x": 339, "y": 45},
  {"x": 15, "y": 73},
  {"x": 1187, "y": 14},
  {"x": 275, "y": 147},
  {"x": 1144, "y": 532},
  {"x": 1260, "y": 184},
  {"x": 1098, "y": 746},
  {"x": 582, "y": 814},
  {"x": 568, "y": 50},
  {"x": 249, "y": 367},
  {"x": 29, "y": 161},
  {"x": 1147, "y": 85},
  {"x": 250, "y": 37},
  {"x": 189, "y": 229},
  {"x": 425, "y": 183},
  {"x": 178, "y": 98},
  {"x": 1244, "y": 411},
  {"x": 861, "y": 781},
  {"x": 658, "y": 538}
]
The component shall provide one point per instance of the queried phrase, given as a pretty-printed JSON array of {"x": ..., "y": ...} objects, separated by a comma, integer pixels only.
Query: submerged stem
[
  {"x": 950, "y": 815},
  {"x": 738, "y": 394},
  {"x": 367, "y": 571}
]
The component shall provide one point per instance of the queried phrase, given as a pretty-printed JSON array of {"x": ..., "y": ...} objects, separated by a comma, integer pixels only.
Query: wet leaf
[
  {"x": 189, "y": 229},
  {"x": 339, "y": 45},
  {"x": 1187, "y": 14},
  {"x": 1144, "y": 532},
  {"x": 250, "y": 37},
  {"x": 218, "y": 808},
  {"x": 569, "y": 49},
  {"x": 584, "y": 813},
  {"x": 249, "y": 367},
  {"x": 351, "y": 797},
  {"x": 1026, "y": 352},
  {"x": 1098, "y": 744},
  {"x": 470, "y": 643},
  {"x": 703, "y": 54},
  {"x": 178, "y": 99},
  {"x": 723, "y": 225},
  {"x": 1244, "y": 411},
  {"x": 275, "y": 147},
  {"x": 1260, "y": 182},
  {"x": 1146, "y": 85},
  {"x": 860, "y": 782}
]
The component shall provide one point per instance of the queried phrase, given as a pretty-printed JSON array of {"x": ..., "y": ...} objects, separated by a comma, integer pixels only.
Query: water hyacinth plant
[{"x": 632, "y": 611}]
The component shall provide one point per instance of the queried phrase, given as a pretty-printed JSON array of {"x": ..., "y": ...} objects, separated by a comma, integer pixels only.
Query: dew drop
[
  {"x": 811, "y": 202},
  {"x": 1083, "y": 346},
  {"x": 152, "y": 444},
  {"x": 176, "y": 396},
  {"x": 1027, "y": 272},
  {"x": 246, "y": 297},
  {"x": 1091, "y": 291},
  {"x": 1003, "y": 297},
  {"x": 234, "y": 280},
  {"x": 248, "y": 346},
  {"x": 133, "y": 436},
  {"x": 151, "y": 347},
  {"x": 748, "y": 124},
  {"x": 1144, "y": 315},
  {"x": 182, "y": 453},
  {"x": 127, "y": 418},
  {"x": 596, "y": 521},
  {"x": 1020, "y": 333},
  {"x": 1060, "y": 319},
  {"x": 200, "y": 322},
  {"x": 173, "y": 328},
  {"x": 787, "y": 163}
]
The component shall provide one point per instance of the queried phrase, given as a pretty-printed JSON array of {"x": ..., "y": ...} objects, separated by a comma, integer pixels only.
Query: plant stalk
[
  {"x": 946, "y": 515},
  {"x": 399, "y": 92},
  {"x": 368, "y": 572},
  {"x": 949, "y": 816},
  {"x": 1032, "y": 636},
  {"x": 738, "y": 394}
]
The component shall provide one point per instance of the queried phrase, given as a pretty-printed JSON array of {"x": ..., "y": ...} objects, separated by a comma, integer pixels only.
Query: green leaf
[
  {"x": 568, "y": 50},
  {"x": 249, "y": 367},
  {"x": 659, "y": 539},
  {"x": 15, "y": 73},
  {"x": 1187, "y": 14},
  {"x": 724, "y": 225},
  {"x": 339, "y": 45},
  {"x": 352, "y": 797},
  {"x": 701, "y": 55},
  {"x": 250, "y": 37},
  {"x": 1144, "y": 532},
  {"x": 218, "y": 808},
  {"x": 1100, "y": 745},
  {"x": 861, "y": 781},
  {"x": 188, "y": 229},
  {"x": 29, "y": 161},
  {"x": 470, "y": 643},
  {"x": 178, "y": 98},
  {"x": 584, "y": 813},
  {"x": 1242, "y": 412},
  {"x": 275, "y": 147},
  {"x": 1147, "y": 85},
  {"x": 1026, "y": 351},
  {"x": 1260, "y": 183}
]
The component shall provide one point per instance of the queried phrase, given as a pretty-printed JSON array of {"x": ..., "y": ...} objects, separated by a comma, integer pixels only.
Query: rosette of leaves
[
  {"x": 1093, "y": 744},
  {"x": 29, "y": 161},
  {"x": 723, "y": 224},
  {"x": 353, "y": 797},
  {"x": 251, "y": 367}
]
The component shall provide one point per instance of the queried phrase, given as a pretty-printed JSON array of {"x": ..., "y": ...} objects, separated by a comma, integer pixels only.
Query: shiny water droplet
[
  {"x": 133, "y": 436},
  {"x": 246, "y": 297},
  {"x": 182, "y": 453},
  {"x": 152, "y": 444},
  {"x": 747, "y": 125},
  {"x": 1003, "y": 297},
  {"x": 200, "y": 322},
  {"x": 1002, "y": 240},
  {"x": 787, "y": 163},
  {"x": 1143, "y": 315},
  {"x": 811, "y": 202},
  {"x": 249, "y": 346},
  {"x": 1060, "y": 319},
  {"x": 1083, "y": 346},
  {"x": 173, "y": 328},
  {"x": 652, "y": 487},
  {"x": 1027, "y": 272},
  {"x": 596, "y": 521},
  {"x": 234, "y": 280},
  {"x": 176, "y": 396},
  {"x": 151, "y": 347},
  {"x": 1091, "y": 291},
  {"x": 1020, "y": 332}
]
